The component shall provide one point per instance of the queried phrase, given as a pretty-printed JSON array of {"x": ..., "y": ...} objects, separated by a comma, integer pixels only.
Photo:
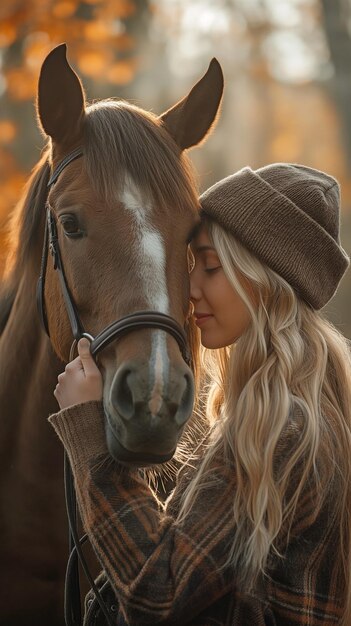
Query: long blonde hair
[{"x": 288, "y": 373}]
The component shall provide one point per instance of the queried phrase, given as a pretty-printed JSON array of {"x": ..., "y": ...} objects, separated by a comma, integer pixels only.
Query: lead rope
[
  {"x": 72, "y": 605},
  {"x": 73, "y": 615},
  {"x": 72, "y": 602}
]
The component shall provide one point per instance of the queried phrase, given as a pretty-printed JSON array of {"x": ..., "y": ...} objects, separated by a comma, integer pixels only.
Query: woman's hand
[{"x": 81, "y": 381}]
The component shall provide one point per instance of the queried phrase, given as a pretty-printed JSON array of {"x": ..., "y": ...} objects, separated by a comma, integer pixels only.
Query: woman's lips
[{"x": 201, "y": 318}]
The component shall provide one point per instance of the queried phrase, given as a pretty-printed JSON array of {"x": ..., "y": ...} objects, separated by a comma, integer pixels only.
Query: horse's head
[{"x": 124, "y": 213}]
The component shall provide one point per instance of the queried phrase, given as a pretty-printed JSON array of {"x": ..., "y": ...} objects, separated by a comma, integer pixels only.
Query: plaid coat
[{"x": 159, "y": 572}]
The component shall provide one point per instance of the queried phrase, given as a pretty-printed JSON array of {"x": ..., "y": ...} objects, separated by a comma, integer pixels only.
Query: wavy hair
[{"x": 286, "y": 379}]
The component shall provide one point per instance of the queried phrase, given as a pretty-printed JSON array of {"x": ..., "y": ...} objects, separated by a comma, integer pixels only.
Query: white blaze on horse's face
[{"x": 151, "y": 250}]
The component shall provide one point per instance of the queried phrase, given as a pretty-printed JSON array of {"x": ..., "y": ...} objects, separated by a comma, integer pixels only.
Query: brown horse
[{"x": 123, "y": 212}]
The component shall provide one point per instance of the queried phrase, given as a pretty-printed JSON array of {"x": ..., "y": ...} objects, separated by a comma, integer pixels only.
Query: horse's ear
[
  {"x": 60, "y": 102},
  {"x": 190, "y": 119}
]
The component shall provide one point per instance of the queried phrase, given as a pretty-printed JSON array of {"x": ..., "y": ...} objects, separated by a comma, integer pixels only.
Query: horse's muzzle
[{"x": 144, "y": 419}]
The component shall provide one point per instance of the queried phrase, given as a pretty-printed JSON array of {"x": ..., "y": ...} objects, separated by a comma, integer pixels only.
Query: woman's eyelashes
[{"x": 210, "y": 270}]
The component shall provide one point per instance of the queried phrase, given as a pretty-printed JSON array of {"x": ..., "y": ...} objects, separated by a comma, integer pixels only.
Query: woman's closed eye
[
  {"x": 211, "y": 262},
  {"x": 210, "y": 270}
]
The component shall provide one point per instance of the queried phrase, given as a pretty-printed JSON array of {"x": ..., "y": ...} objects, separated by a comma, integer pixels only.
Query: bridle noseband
[{"x": 113, "y": 332}]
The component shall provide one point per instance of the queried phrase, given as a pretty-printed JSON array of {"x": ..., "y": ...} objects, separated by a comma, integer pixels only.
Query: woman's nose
[{"x": 194, "y": 289}]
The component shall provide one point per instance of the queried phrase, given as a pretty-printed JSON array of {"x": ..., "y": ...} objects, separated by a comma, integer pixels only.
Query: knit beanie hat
[{"x": 288, "y": 216}]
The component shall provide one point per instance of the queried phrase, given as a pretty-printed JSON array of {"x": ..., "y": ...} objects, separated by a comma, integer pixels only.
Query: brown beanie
[{"x": 288, "y": 216}]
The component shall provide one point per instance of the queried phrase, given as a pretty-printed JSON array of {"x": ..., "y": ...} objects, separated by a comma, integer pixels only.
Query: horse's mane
[
  {"x": 119, "y": 139},
  {"x": 24, "y": 234}
]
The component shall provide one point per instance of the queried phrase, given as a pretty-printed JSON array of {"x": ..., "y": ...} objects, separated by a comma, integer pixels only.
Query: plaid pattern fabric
[{"x": 165, "y": 573}]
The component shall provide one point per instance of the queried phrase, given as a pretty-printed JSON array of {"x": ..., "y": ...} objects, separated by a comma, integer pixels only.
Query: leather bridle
[{"x": 113, "y": 332}]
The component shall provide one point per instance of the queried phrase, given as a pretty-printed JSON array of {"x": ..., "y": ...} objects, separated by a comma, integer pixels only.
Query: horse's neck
[
  {"x": 28, "y": 373},
  {"x": 31, "y": 466}
]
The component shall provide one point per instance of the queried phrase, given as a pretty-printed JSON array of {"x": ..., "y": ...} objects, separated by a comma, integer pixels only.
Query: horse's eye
[{"x": 71, "y": 226}]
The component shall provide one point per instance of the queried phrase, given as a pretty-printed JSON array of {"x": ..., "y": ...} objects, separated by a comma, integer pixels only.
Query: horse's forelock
[{"x": 122, "y": 139}]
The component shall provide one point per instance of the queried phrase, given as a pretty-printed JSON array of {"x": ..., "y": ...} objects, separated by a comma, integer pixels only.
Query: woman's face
[{"x": 219, "y": 312}]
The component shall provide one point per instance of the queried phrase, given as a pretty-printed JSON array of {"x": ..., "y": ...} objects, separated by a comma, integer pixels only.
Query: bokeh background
[{"x": 287, "y": 67}]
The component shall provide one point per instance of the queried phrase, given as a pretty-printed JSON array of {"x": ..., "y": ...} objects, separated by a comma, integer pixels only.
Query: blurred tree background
[{"x": 287, "y": 66}]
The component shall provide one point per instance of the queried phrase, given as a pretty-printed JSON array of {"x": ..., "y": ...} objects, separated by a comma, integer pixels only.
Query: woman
[{"x": 258, "y": 531}]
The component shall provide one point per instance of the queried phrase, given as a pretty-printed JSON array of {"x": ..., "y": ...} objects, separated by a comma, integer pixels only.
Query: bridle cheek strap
[{"x": 51, "y": 243}]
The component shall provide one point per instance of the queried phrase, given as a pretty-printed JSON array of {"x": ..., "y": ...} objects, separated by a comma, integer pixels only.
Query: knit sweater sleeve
[{"x": 159, "y": 570}]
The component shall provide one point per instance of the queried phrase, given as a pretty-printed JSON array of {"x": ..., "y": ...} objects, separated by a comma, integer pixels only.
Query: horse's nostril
[{"x": 122, "y": 394}]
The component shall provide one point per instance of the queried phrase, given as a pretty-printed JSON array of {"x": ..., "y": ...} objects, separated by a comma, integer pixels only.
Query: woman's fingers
[
  {"x": 81, "y": 381},
  {"x": 89, "y": 366}
]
